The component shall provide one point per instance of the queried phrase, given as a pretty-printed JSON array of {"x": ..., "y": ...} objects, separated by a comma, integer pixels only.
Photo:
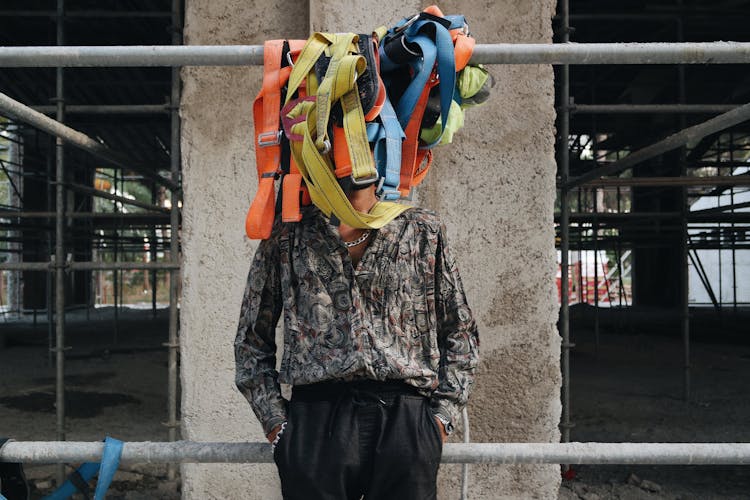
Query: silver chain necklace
[{"x": 358, "y": 241}]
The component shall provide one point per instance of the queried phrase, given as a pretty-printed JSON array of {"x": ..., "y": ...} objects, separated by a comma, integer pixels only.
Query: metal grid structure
[
  {"x": 585, "y": 180},
  {"x": 698, "y": 141},
  {"x": 61, "y": 230}
]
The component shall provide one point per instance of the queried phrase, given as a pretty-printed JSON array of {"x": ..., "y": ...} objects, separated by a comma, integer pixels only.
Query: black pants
[{"x": 346, "y": 440}]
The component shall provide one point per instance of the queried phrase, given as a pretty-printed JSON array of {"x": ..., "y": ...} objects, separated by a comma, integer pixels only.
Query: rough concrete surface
[
  {"x": 219, "y": 182},
  {"x": 494, "y": 188}
]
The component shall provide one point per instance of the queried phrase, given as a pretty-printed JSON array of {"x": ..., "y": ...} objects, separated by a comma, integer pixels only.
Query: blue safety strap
[
  {"x": 387, "y": 136},
  {"x": 446, "y": 67},
  {"x": 86, "y": 471},
  {"x": 110, "y": 461},
  {"x": 439, "y": 49},
  {"x": 422, "y": 71}
]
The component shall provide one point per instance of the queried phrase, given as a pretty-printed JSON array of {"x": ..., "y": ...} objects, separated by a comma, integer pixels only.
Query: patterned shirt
[{"x": 401, "y": 313}]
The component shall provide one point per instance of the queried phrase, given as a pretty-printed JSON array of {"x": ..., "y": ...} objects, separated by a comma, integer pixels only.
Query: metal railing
[
  {"x": 38, "y": 452},
  {"x": 497, "y": 53}
]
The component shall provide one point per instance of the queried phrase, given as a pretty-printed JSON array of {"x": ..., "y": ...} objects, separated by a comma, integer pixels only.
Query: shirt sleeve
[
  {"x": 458, "y": 339},
  {"x": 255, "y": 345}
]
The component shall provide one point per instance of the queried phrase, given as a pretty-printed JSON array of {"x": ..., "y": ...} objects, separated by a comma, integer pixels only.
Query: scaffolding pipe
[
  {"x": 12, "y": 108},
  {"x": 174, "y": 242},
  {"x": 40, "y": 452},
  {"x": 108, "y": 109},
  {"x": 11, "y": 214},
  {"x": 89, "y": 266},
  {"x": 120, "y": 199},
  {"x": 87, "y": 13},
  {"x": 690, "y": 135},
  {"x": 498, "y": 53},
  {"x": 697, "y": 216},
  {"x": 715, "y": 180},
  {"x": 685, "y": 209},
  {"x": 59, "y": 261},
  {"x": 563, "y": 167},
  {"x": 611, "y": 109}
]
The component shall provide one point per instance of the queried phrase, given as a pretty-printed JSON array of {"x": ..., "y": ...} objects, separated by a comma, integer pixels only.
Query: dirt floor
[
  {"x": 630, "y": 389},
  {"x": 115, "y": 386}
]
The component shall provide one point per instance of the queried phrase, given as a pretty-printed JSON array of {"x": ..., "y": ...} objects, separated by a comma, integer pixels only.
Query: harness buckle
[
  {"x": 408, "y": 23},
  {"x": 326, "y": 147},
  {"x": 266, "y": 139},
  {"x": 365, "y": 181}
]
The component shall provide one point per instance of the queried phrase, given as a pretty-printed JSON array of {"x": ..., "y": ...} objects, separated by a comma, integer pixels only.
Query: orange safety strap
[
  {"x": 266, "y": 106},
  {"x": 341, "y": 159},
  {"x": 293, "y": 193},
  {"x": 259, "y": 220},
  {"x": 409, "y": 148},
  {"x": 463, "y": 47},
  {"x": 423, "y": 166}
]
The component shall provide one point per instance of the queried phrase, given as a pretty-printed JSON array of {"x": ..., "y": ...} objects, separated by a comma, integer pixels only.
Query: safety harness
[{"x": 340, "y": 112}]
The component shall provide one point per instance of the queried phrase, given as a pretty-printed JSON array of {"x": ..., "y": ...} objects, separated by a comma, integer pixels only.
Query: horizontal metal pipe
[
  {"x": 98, "y": 193},
  {"x": 650, "y": 108},
  {"x": 125, "y": 266},
  {"x": 10, "y": 214},
  {"x": 499, "y": 53},
  {"x": 87, "y": 266},
  {"x": 12, "y": 108},
  {"x": 686, "y": 136},
  {"x": 490, "y": 453},
  {"x": 107, "y": 109},
  {"x": 718, "y": 180},
  {"x": 604, "y": 217},
  {"x": 86, "y": 13}
]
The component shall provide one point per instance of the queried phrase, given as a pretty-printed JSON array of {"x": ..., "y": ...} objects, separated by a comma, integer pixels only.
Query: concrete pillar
[
  {"x": 219, "y": 182},
  {"x": 494, "y": 187}
]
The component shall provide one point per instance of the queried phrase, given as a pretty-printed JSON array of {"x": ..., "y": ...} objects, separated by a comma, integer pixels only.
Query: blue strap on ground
[
  {"x": 110, "y": 461},
  {"x": 387, "y": 137}
]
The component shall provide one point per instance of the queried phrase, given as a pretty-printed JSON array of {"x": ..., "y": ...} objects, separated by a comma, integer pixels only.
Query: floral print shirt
[{"x": 401, "y": 313}]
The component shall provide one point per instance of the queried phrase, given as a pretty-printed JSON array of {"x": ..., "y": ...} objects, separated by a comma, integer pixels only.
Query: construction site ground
[{"x": 630, "y": 389}]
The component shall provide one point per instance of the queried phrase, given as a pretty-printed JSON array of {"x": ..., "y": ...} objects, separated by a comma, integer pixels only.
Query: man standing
[{"x": 380, "y": 348}]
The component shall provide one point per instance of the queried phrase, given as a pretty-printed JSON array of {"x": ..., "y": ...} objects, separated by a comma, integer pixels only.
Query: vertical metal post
[
  {"x": 596, "y": 271},
  {"x": 60, "y": 248},
  {"x": 50, "y": 274},
  {"x": 685, "y": 208},
  {"x": 174, "y": 237},
  {"x": 116, "y": 297},
  {"x": 596, "y": 232},
  {"x": 152, "y": 252},
  {"x": 734, "y": 234},
  {"x": 564, "y": 225}
]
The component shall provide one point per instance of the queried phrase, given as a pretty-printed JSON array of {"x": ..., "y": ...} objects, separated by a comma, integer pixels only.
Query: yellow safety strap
[
  {"x": 311, "y": 155},
  {"x": 324, "y": 188}
]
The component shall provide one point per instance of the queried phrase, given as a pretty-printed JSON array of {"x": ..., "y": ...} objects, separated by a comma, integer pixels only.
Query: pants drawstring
[{"x": 358, "y": 397}]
